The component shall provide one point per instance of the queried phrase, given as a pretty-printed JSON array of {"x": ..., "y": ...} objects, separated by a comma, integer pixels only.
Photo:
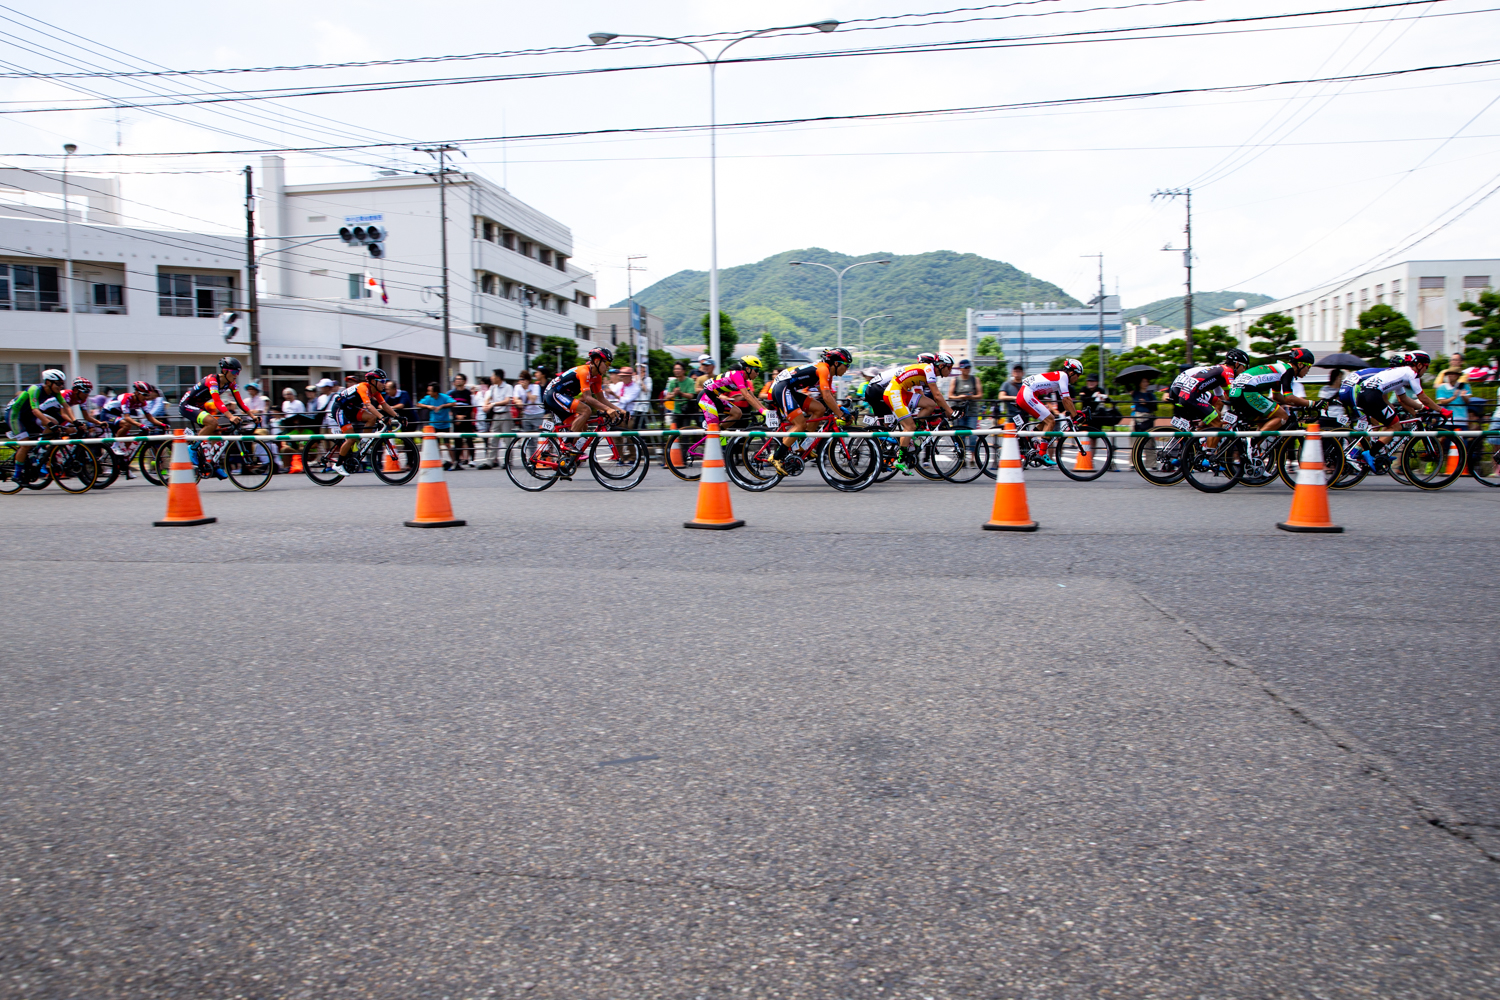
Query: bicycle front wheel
[
  {"x": 1433, "y": 463},
  {"x": 395, "y": 461},
  {"x": 1158, "y": 460},
  {"x": 1484, "y": 459},
  {"x": 619, "y": 463},
  {"x": 962, "y": 459},
  {"x": 110, "y": 462},
  {"x": 318, "y": 459},
  {"x": 531, "y": 463},
  {"x": 1213, "y": 470},
  {"x": 8, "y": 482},
  {"x": 73, "y": 468},
  {"x": 848, "y": 464},
  {"x": 684, "y": 456},
  {"x": 249, "y": 464},
  {"x": 747, "y": 464},
  {"x": 1082, "y": 458}
]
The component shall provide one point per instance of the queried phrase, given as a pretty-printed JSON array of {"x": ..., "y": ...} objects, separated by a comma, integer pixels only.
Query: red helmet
[
  {"x": 1301, "y": 356},
  {"x": 84, "y": 384},
  {"x": 1072, "y": 366},
  {"x": 375, "y": 375},
  {"x": 601, "y": 354},
  {"x": 927, "y": 358},
  {"x": 837, "y": 356},
  {"x": 141, "y": 388}
]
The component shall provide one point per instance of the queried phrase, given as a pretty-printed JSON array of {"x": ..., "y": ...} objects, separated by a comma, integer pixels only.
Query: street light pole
[
  {"x": 442, "y": 179},
  {"x": 862, "y": 323},
  {"x": 73, "y": 363},
  {"x": 840, "y": 276},
  {"x": 604, "y": 38},
  {"x": 1187, "y": 264}
]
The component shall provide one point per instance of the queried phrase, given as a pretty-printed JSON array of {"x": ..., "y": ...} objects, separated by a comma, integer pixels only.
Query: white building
[
  {"x": 614, "y": 326},
  {"x": 1031, "y": 334},
  {"x": 510, "y": 275},
  {"x": 1426, "y": 291}
]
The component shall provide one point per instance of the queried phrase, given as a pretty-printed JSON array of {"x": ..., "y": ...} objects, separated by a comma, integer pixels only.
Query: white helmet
[
  {"x": 53, "y": 375},
  {"x": 943, "y": 358},
  {"x": 1073, "y": 366}
]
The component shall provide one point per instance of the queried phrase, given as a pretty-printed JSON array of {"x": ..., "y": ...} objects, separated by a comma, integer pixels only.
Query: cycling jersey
[
  {"x": 1393, "y": 382},
  {"x": 24, "y": 408},
  {"x": 561, "y": 395},
  {"x": 348, "y": 403},
  {"x": 1349, "y": 388},
  {"x": 728, "y": 385},
  {"x": 1274, "y": 377},
  {"x": 893, "y": 391},
  {"x": 808, "y": 376},
  {"x": 1202, "y": 380},
  {"x": 207, "y": 396},
  {"x": 1047, "y": 383}
]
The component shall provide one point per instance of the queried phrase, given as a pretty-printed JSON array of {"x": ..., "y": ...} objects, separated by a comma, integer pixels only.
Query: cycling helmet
[
  {"x": 229, "y": 364},
  {"x": 752, "y": 361},
  {"x": 375, "y": 375},
  {"x": 927, "y": 358},
  {"x": 837, "y": 356},
  {"x": 601, "y": 354},
  {"x": 141, "y": 388},
  {"x": 84, "y": 384},
  {"x": 53, "y": 375},
  {"x": 1073, "y": 366},
  {"x": 942, "y": 358},
  {"x": 1417, "y": 358},
  {"x": 1237, "y": 357},
  {"x": 1300, "y": 356}
]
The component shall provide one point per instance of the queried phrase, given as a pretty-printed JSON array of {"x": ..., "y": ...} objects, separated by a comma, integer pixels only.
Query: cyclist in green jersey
[
  {"x": 37, "y": 409},
  {"x": 1257, "y": 394}
]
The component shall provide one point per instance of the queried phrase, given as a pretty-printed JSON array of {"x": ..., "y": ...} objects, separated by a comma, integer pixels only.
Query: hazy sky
[{"x": 1292, "y": 185}]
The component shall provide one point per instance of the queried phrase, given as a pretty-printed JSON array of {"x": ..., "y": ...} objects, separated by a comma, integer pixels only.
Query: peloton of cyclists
[
  {"x": 1373, "y": 391},
  {"x": 806, "y": 393},
  {"x": 1258, "y": 395},
  {"x": 126, "y": 413},
  {"x": 910, "y": 392},
  {"x": 363, "y": 402}
]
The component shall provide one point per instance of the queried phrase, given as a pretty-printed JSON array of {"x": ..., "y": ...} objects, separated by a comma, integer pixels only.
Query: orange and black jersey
[
  {"x": 577, "y": 380},
  {"x": 808, "y": 378}
]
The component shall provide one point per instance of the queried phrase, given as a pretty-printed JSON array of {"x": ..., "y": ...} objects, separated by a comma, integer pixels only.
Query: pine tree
[
  {"x": 728, "y": 338},
  {"x": 1276, "y": 333},
  {"x": 1486, "y": 327},
  {"x": 769, "y": 354},
  {"x": 1381, "y": 329}
]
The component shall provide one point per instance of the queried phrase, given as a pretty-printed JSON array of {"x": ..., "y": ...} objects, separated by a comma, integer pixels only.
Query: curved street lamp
[
  {"x": 604, "y": 38},
  {"x": 862, "y": 323},
  {"x": 840, "y": 274}
]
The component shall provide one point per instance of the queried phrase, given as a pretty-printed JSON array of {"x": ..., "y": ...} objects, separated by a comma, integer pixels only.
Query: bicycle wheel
[
  {"x": 619, "y": 463},
  {"x": 110, "y": 464},
  {"x": 531, "y": 463},
  {"x": 1258, "y": 458},
  {"x": 146, "y": 460},
  {"x": 1158, "y": 460},
  {"x": 318, "y": 458},
  {"x": 250, "y": 464},
  {"x": 887, "y": 449},
  {"x": 1354, "y": 470},
  {"x": 1484, "y": 459},
  {"x": 73, "y": 468},
  {"x": 926, "y": 464},
  {"x": 689, "y": 452},
  {"x": 1068, "y": 452},
  {"x": 1433, "y": 463},
  {"x": 8, "y": 482},
  {"x": 1216, "y": 469},
  {"x": 403, "y": 457},
  {"x": 963, "y": 459},
  {"x": 747, "y": 463},
  {"x": 848, "y": 464}
]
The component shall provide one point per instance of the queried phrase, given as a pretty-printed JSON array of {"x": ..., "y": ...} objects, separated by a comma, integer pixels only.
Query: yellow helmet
[{"x": 752, "y": 361}]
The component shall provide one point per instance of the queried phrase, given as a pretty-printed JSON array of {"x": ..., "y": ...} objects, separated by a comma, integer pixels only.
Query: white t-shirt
[
  {"x": 627, "y": 393},
  {"x": 530, "y": 397},
  {"x": 1396, "y": 382},
  {"x": 291, "y": 406}
]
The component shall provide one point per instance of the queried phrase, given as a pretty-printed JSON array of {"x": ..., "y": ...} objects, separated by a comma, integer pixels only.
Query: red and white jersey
[{"x": 1047, "y": 383}]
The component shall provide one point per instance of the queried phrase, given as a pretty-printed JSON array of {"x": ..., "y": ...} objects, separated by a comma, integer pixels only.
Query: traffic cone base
[
  {"x": 434, "y": 509},
  {"x": 184, "y": 509},
  {"x": 715, "y": 512},
  {"x": 1085, "y": 460},
  {"x": 1310, "y": 498},
  {"x": 1011, "y": 512}
]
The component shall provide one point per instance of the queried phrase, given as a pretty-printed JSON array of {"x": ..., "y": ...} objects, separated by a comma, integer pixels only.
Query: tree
[
  {"x": 1381, "y": 329},
  {"x": 769, "y": 354},
  {"x": 546, "y": 357},
  {"x": 660, "y": 363},
  {"x": 988, "y": 347},
  {"x": 1486, "y": 327},
  {"x": 1276, "y": 331},
  {"x": 991, "y": 377},
  {"x": 624, "y": 354},
  {"x": 728, "y": 338}
]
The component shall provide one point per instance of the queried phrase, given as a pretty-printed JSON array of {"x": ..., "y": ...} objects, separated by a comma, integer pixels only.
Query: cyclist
[
  {"x": 722, "y": 394},
  {"x": 1374, "y": 394},
  {"x": 1032, "y": 399},
  {"x": 1256, "y": 395},
  {"x": 363, "y": 402},
  {"x": 203, "y": 404},
  {"x": 907, "y": 392},
  {"x": 577, "y": 393},
  {"x": 127, "y": 413},
  {"x": 804, "y": 393},
  {"x": 1197, "y": 395},
  {"x": 37, "y": 409},
  {"x": 77, "y": 398}
]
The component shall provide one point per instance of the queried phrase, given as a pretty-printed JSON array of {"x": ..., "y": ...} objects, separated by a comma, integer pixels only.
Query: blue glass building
[{"x": 1034, "y": 335}]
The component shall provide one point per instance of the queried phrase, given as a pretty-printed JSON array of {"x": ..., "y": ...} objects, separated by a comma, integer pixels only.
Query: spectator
[
  {"x": 158, "y": 406},
  {"x": 438, "y": 406},
  {"x": 320, "y": 410},
  {"x": 964, "y": 395},
  {"x": 257, "y": 404},
  {"x": 463, "y": 422},
  {"x": 1455, "y": 397},
  {"x": 399, "y": 399},
  {"x": 643, "y": 401},
  {"x": 1096, "y": 404},
  {"x": 703, "y": 374},
  {"x": 1007, "y": 398},
  {"x": 1143, "y": 405},
  {"x": 627, "y": 392},
  {"x": 1330, "y": 390},
  {"x": 681, "y": 393},
  {"x": 293, "y": 419},
  {"x": 527, "y": 395},
  {"x": 497, "y": 407}
]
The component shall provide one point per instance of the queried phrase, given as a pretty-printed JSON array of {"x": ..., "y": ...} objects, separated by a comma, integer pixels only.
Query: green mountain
[
  {"x": 925, "y": 295},
  {"x": 1208, "y": 308}
]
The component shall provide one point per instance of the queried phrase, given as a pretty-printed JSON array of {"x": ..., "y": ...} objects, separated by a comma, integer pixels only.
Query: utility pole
[
  {"x": 68, "y": 295},
  {"x": 1103, "y": 383},
  {"x": 1187, "y": 263},
  {"x": 638, "y": 337},
  {"x": 442, "y": 180},
  {"x": 252, "y": 302}
]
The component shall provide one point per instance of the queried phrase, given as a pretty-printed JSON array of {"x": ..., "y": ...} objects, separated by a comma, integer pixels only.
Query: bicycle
[
  {"x": 249, "y": 465},
  {"x": 617, "y": 463},
  {"x": 846, "y": 464},
  {"x": 395, "y": 461},
  {"x": 1065, "y": 451},
  {"x": 52, "y": 459}
]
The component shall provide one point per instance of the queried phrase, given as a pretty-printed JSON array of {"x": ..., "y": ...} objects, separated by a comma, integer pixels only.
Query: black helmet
[
  {"x": 1300, "y": 356},
  {"x": 375, "y": 375},
  {"x": 601, "y": 354},
  {"x": 837, "y": 356},
  {"x": 229, "y": 364},
  {"x": 1237, "y": 357}
]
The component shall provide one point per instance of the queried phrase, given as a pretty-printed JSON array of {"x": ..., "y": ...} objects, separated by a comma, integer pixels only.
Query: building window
[
  {"x": 562, "y": 306},
  {"x": 1476, "y": 281},
  {"x": 544, "y": 255},
  {"x": 583, "y": 299},
  {"x": 582, "y": 333},
  {"x": 562, "y": 263},
  {"x": 491, "y": 336},
  {"x": 116, "y": 377},
  {"x": 193, "y": 294},
  {"x": 1431, "y": 306},
  {"x": 1379, "y": 294},
  {"x": 525, "y": 248},
  {"x": 508, "y": 239},
  {"x": 109, "y": 298},
  {"x": 174, "y": 380},
  {"x": 357, "y": 289},
  {"x": 489, "y": 285},
  {"x": 29, "y": 288}
]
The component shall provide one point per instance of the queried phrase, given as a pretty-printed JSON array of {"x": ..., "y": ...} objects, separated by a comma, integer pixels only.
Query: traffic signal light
[
  {"x": 229, "y": 324},
  {"x": 365, "y": 236}
]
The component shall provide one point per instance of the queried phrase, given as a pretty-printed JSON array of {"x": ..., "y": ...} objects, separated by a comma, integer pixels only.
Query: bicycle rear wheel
[
  {"x": 619, "y": 463},
  {"x": 848, "y": 464},
  {"x": 962, "y": 459},
  {"x": 1484, "y": 459},
  {"x": 747, "y": 463},
  {"x": 318, "y": 458},
  {"x": 1216, "y": 469},
  {"x": 73, "y": 468},
  {"x": 110, "y": 464},
  {"x": 249, "y": 464},
  {"x": 1433, "y": 463},
  {"x": 1069, "y": 451},
  {"x": 1158, "y": 460},
  {"x": 8, "y": 482},
  {"x": 531, "y": 463},
  {"x": 146, "y": 461},
  {"x": 401, "y": 454},
  {"x": 689, "y": 451},
  {"x": 1258, "y": 460}
]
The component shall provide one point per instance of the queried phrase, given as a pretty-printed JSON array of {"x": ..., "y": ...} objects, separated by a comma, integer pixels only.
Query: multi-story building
[
  {"x": 1033, "y": 336},
  {"x": 614, "y": 327},
  {"x": 511, "y": 277},
  {"x": 1426, "y": 291}
]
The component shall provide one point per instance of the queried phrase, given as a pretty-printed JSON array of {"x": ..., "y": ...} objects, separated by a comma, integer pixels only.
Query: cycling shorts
[
  {"x": 24, "y": 424},
  {"x": 1190, "y": 407},
  {"x": 194, "y": 415},
  {"x": 785, "y": 398},
  {"x": 875, "y": 397},
  {"x": 1252, "y": 404},
  {"x": 562, "y": 405},
  {"x": 1030, "y": 405},
  {"x": 715, "y": 410},
  {"x": 1371, "y": 402}
]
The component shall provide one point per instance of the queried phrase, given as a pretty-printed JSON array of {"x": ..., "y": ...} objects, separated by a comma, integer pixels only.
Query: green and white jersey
[{"x": 1276, "y": 376}]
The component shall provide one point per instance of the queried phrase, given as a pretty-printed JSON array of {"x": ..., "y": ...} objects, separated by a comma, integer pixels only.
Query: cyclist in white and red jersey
[
  {"x": 1035, "y": 397},
  {"x": 126, "y": 413}
]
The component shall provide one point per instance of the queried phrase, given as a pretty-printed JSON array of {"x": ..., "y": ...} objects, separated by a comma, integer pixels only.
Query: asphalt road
[{"x": 858, "y": 748}]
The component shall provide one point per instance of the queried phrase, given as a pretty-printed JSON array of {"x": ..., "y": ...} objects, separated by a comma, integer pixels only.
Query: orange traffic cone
[
  {"x": 296, "y": 465},
  {"x": 1085, "y": 460},
  {"x": 1453, "y": 461},
  {"x": 714, "y": 509},
  {"x": 392, "y": 463},
  {"x": 1310, "y": 500},
  {"x": 434, "y": 510},
  {"x": 676, "y": 458},
  {"x": 1011, "y": 512},
  {"x": 183, "y": 507}
]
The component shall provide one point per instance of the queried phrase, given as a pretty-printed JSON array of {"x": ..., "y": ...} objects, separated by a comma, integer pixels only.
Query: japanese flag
[{"x": 374, "y": 287}]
